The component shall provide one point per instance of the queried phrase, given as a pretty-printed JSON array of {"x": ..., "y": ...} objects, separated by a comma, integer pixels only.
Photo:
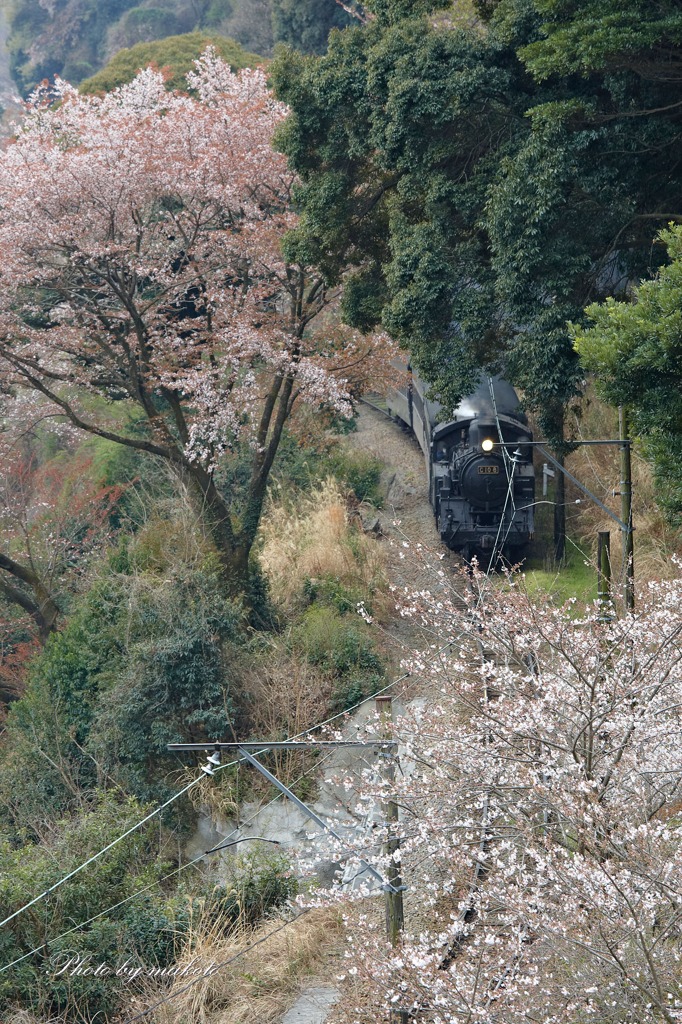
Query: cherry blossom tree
[
  {"x": 540, "y": 799},
  {"x": 146, "y": 298}
]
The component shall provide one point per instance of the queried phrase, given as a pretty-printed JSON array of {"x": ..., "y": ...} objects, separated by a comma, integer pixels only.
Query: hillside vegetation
[
  {"x": 198, "y": 285},
  {"x": 175, "y": 55},
  {"x": 76, "y": 38}
]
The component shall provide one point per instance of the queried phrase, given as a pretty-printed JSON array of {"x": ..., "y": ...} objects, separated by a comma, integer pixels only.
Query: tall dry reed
[
  {"x": 261, "y": 984},
  {"x": 315, "y": 539}
]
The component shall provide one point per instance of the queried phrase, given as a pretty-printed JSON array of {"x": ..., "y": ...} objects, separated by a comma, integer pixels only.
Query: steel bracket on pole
[
  {"x": 310, "y": 813},
  {"x": 584, "y": 489},
  {"x": 244, "y": 750}
]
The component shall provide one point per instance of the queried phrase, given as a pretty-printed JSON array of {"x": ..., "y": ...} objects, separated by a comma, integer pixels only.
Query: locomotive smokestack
[{"x": 480, "y": 431}]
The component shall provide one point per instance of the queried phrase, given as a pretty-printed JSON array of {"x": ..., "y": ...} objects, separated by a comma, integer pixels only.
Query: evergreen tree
[
  {"x": 306, "y": 24},
  {"x": 474, "y": 198}
]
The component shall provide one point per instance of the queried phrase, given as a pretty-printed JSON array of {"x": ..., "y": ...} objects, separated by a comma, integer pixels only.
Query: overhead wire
[
  {"x": 157, "y": 882},
  {"x": 509, "y": 464},
  {"x": 199, "y": 858},
  {"x": 100, "y": 853},
  {"x": 176, "y": 796},
  {"x": 180, "y": 793}
]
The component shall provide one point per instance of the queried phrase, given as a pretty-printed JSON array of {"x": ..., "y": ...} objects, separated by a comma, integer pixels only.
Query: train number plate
[{"x": 488, "y": 469}]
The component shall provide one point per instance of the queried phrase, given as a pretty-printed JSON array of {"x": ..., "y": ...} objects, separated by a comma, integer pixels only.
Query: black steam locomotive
[{"x": 482, "y": 491}]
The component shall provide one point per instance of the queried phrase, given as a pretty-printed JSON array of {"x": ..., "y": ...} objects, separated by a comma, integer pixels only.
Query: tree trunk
[
  {"x": 39, "y": 604},
  {"x": 233, "y": 549}
]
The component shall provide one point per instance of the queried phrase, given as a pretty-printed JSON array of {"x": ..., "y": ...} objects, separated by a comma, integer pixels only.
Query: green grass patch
[{"x": 576, "y": 578}]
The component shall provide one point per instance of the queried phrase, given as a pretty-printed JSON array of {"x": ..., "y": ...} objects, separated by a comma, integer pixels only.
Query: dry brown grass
[
  {"x": 284, "y": 696},
  {"x": 261, "y": 984},
  {"x": 316, "y": 540},
  {"x": 598, "y": 468},
  {"x": 26, "y": 1017}
]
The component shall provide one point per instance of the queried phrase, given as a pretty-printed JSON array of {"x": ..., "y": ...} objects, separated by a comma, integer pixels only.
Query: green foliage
[
  {"x": 259, "y": 883},
  {"x": 300, "y": 465},
  {"x": 142, "y": 662},
  {"x": 340, "y": 647},
  {"x": 601, "y": 34},
  {"x": 147, "y": 932},
  {"x": 575, "y": 579},
  {"x": 478, "y": 206},
  {"x": 175, "y": 686},
  {"x": 306, "y": 24},
  {"x": 144, "y": 24},
  {"x": 634, "y": 350},
  {"x": 75, "y": 38},
  {"x": 392, "y": 11},
  {"x": 27, "y": 869},
  {"x": 330, "y": 591},
  {"x": 43, "y": 770},
  {"x": 407, "y": 122},
  {"x": 177, "y": 53},
  {"x": 216, "y": 12},
  {"x": 360, "y": 471}
]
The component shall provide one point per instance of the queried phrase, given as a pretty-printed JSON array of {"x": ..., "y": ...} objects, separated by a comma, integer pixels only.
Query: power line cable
[
  {"x": 180, "y": 793},
  {"x": 509, "y": 466},
  {"x": 101, "y": 853},
  {"x": 194, "y": 782},
  {"x": 159, "y": 881}
]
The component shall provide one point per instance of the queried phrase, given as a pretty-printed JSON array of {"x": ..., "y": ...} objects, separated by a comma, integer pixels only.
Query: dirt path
[{"x": 406, "y": 520}]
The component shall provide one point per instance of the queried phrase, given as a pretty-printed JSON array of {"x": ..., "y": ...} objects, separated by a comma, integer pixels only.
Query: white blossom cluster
[
  {"x": 140, "y": 256},
  {"x": 540, "y": 797}
]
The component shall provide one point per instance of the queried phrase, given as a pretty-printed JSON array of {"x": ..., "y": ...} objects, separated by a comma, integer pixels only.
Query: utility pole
[
  {"x": 604, "y": 575},
  {"x": 559, "y": 513},
  {"x": 395, "y": 914},
  {"x": 626, "y": 508},
  {"x": 386, "y": 747}
]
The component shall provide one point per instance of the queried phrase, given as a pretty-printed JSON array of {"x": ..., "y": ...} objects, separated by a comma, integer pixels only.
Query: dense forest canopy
[{"x": 488, "y": 183}]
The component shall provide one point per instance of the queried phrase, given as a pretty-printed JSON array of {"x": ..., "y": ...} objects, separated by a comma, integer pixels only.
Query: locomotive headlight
[{"x": 487, "y": 445}]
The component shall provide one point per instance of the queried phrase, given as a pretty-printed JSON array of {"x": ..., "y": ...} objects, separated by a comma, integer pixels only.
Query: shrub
[
  {"x": 27, "y": 869},
  {"x": 259, "y": 883},
  {"x": 360, "y": 471},
  {"x": 175, "y": 686},
  {"x": 343, "y": 649},
  {"x": 150, "y": 931},
  {"x": 141, "y": 663}
]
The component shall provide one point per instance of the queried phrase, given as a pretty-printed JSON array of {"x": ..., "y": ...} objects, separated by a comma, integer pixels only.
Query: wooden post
[
  {"x": 626, "y": 509},
  {"x": 604, "y": 575},
  {"x": 395, "y": 914},
  {"x": 560, "y": 513}
]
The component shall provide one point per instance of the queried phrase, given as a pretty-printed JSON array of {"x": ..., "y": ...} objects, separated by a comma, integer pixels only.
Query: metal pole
[
  {"x": 308, "y": 811},
  {"x": 626, "y": 508},
  {"x": 395, "y": 914},
  {"x": 604, "y": 575}
]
